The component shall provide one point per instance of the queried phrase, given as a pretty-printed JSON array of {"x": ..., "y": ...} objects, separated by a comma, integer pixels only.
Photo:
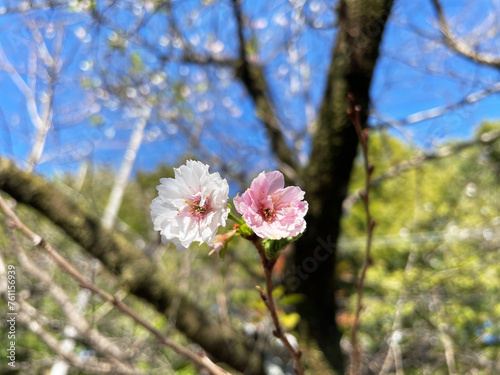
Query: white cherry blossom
[{"x": 190, "y": 207}]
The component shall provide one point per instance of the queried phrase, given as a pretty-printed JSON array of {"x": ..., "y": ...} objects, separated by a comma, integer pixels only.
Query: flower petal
[
  {"x": 190, "y": 207},
  {"x": 271, "y": 210}
]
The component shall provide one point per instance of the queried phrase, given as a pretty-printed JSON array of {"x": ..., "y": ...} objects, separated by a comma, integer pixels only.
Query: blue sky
[{"x": 413, "y": 74}]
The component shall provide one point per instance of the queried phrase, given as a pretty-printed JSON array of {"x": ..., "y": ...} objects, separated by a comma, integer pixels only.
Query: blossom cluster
[{"x": 193, "y": 205}]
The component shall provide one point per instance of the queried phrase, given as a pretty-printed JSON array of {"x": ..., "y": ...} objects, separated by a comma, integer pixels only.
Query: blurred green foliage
[{"x": 437, "y": 234}]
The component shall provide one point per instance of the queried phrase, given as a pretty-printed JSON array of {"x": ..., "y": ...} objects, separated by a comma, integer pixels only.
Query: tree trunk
[{"x": 334, "y": 145}]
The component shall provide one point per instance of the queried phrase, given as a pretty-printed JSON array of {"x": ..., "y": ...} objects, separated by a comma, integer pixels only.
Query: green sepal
[
  {"x": 223, "y": 251},
  {"x": 245, "y": 230},
  {"x": 273, "y": 247}
]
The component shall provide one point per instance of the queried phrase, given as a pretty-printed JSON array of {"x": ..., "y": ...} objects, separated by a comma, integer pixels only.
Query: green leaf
[
  {"x": 223, "y": 252},
  {"x": 292, "y": 299},
  {"x": 290, "y": 321}
]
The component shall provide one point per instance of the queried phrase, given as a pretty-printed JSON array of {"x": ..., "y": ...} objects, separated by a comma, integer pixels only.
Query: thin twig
[
  {"x": 460, "y": 46},
  {"x": 432, "y": 113},
  {"x": 76, "y": 319},
  {"x": 268, "y": 299},
  {"x": 198, "y": 358},
  {"x": 254, "y": 80},
  {"x": 41, "y": 121},
  {"x": 121, "y": 180},
  {"x": 443, "y": 335},
  {"x": 421, "y": 158},
  {"x": 370, "y": 224},
  {"x": 30, "y": 318},
  {"x": 394, "y": 350},
  {"x": 25, "y": 6}
]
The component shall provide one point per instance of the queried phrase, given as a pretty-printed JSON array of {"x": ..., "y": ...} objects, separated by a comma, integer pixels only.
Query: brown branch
[
  {"x": 268, "y": 299},
  {"x": 443, "y": 335},
  {"x": 34, "y": 321},
  {"x": 421, "y": 159},
  {"x": 188, "y": 56},
  {"x": 252, "y": 77},
  {"x": 35, "y": 326},
  {"x": 135, "y": 271},
  {"x": 75, "y": 318},
  {"x": 27, "y": 6},
  {"x": 199, "y": 358},
  {"x": 354, "y": 114},
  {"x": 460, "y": 46},
  {"x": 440, "y": 111},
  {"x": 491, "y": 366},
  {"x": 394, "y": 349}
]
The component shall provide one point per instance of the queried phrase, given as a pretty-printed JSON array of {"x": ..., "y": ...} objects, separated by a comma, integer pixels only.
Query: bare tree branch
[
  {"x": 480, "y": 359},
  {"x": 252, "y": 77},
  {"x": 354, "y": 114},
  {"x": 460, "y": 46},
  {"x": 188, "y": 54},
  {"x": 115, "y": 199},
  {"x": 3, "y": 277},
  {"x": 75, "y": 318},
  {"x": 440, "y": 111},
  {"x": 25, "y": 6},
  {"x": 421, "y": 159},
  {"x": 29, "y": 317},
  {"x": 41, "y": 119},
  {"x": 23, "y": 87},
  {"x": 121, "y": 180},
  {"x": 394, "y": 351},
  {"x": 443, "y": 334},
  {"x": 43, "y": 51}
]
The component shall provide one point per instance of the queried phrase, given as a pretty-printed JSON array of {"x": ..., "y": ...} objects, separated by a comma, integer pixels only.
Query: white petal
[{"x": 172, "y": 216}]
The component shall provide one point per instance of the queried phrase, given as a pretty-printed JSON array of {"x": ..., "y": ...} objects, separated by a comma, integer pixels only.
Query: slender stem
[
  {"x": 443, "y": 335},
  {"x": 271, "y": 306},
  {"x": 370, "y": 225},
  {"x": 199, "y": 358},
  {"x": 235, "y": 219}
]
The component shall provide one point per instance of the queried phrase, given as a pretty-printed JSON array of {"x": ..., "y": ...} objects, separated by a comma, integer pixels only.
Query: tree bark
[
  {"x": 334, "y": 145},
  {"x": 138, "y": 273}
]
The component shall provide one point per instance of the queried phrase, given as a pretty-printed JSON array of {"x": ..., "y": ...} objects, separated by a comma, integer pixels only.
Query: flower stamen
[{"x": 195, "y": 209}]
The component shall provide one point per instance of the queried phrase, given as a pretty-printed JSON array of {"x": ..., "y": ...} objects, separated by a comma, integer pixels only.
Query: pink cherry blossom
[{"x": 270, "y": 209}]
